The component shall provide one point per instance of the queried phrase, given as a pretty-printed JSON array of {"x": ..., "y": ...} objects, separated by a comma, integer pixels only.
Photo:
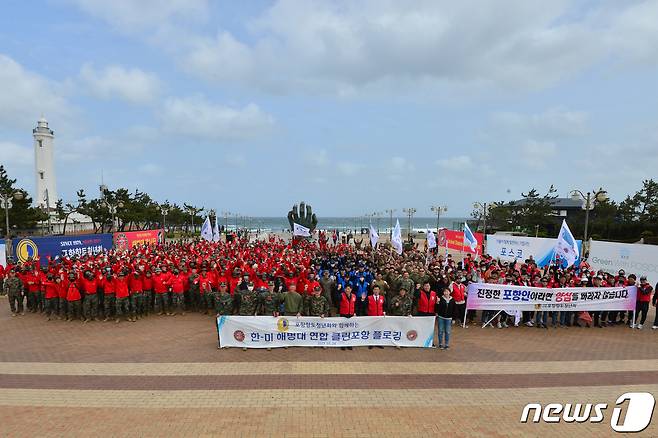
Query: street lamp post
[
  {"x": 5, "y": 201},
  {"x": 589, "y": 200},
  {"x": 226, "y": 214},
  {"x": 438, "y": 209},
  {"x": 112, "y": 208},
  {"x": 390, "y": 213},
  {"x": 165, "y": 211},
  {"x": 410, "y": 213}
]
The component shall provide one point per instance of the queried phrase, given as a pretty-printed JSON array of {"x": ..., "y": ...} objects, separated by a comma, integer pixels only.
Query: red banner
[
  {"x": 455, "y": 240},
  {"x": 129, "y": 239}
]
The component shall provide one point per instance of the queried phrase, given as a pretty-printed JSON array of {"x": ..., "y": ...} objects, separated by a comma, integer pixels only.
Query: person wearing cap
[
  {"x": 401, "y": 304},
  {"x": 248, "y": 300},
  {"x": 644, "y": 293},
  {"x": 207, "y": 295},
  {"x": 73, "y": 297},
  {"x": 160, "y": 289},
  {"x": 147, "y": 294},
  {"x": 51, "y": 296},
  {"x": 122, "y": 298},
  {"x": 14, "y": 289},
  {"x": 541, "y": 317},
  {"x": 136, "y": 287},
  {"x": 316, "y": 304},
  {"x": 224, "y": 301},
  {"x": 89, "y": 286},
  {"x": 177, "y": 289},
  {"x": 269, "y": 300}
]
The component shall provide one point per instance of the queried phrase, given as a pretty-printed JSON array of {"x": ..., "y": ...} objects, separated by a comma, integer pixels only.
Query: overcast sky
[{"x": 353, "y": 106}]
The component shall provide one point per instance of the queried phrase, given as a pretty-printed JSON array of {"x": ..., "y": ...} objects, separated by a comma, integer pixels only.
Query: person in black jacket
[{"x": 445, "y": 308}]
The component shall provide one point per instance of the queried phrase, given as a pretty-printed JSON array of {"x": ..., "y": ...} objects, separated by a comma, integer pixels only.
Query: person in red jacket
[
  {"x": 89, "y": 287},
  {"x": 426, "y": 299},
  {"x": 147, "y": 294},
  {"x": 458, "y": 292},
  {"x": 73, "y": 297},
  {"x": 644, "y": 292},
  {"x": 178, "y": 282},
  {"x": 109, "y": 296},
  {"x": 160, "y": 289},
  {"x": 376, "y": 305},
  {"x": 51, "y": 296},
  {"x": 347, "y": 306},
  {"x": 123, "y": 298},
  {"x": 62, "y": 289},
  {"x": 31, "y": 282},
  {"x": 135, "y": 285}
]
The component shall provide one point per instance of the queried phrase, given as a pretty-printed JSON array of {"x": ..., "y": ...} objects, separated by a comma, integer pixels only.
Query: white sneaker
[
  {"x": 499, "y": 326},
  {"x": 632, "y": 326},
  {"x": 639, "y": 326},
  {"x": 654, "y": 327},
  {"x": 529, "y": 324},
  {"x": 505, "y": 325}
]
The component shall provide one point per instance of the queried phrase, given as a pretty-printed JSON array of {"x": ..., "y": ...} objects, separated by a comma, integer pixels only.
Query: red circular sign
[
  {"x": 412, "y": 335},
  {"x": 238, "y": 335}
]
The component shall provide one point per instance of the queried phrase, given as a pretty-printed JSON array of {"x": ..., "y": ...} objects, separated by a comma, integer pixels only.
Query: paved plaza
[{"x": 164, "y": 376}]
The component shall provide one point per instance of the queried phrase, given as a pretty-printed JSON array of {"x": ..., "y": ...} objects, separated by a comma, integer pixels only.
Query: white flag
[
  {"x": 215, "y": 231},
  {"x": 469, "y": 238},
  {"x": 396, "y": 238},
  {"x": 206, "y": 230},
  {"x": 566, "y": 246},
  {"x": 374, "y": 236},
  {"x": 431, "y": 239},
  {"x": 299, "y": 230}
]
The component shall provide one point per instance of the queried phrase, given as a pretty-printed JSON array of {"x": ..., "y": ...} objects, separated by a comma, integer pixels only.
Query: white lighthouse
[{"x": 44, "y": 165}]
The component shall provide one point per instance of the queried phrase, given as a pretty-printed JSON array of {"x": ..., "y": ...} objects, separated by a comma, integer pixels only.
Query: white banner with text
[
  {"x": 506, "y": 297},
  {"x": 307, "y": 331}
]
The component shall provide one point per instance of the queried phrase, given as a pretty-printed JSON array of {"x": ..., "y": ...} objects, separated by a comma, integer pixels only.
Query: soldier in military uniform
[
  {"x": 401, "y": 304},
  {"x": 316, "y": 304},
  {"x": 195, "y": 291},
  {"x": 13, "y": 287},
  {"x": 406, "y": 282},
  {"x": 224, "y": 301},
  {"x": 248, "y": 300},
  {"x": 269, "y": 300}
]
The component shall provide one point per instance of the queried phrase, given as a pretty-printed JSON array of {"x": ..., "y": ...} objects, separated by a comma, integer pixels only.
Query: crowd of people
[{"x": 276, "y": 277}]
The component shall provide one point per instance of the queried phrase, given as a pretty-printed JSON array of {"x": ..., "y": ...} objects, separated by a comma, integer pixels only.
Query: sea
[{"x": 382, "y": 224}]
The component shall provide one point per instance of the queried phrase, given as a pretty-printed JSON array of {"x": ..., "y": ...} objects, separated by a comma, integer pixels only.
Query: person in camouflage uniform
[
  {"x": 316, "y": 304},
  {"x": 248, "y": 300},
  {"x": 13, "y": 287},
  {"x": 401, "y": 304},
  {"x": 224, "y": 301},
  {"x": 195, "y": 291},
  {"x": 269, "y": 300},
  {"x": 406, "y": 282}
]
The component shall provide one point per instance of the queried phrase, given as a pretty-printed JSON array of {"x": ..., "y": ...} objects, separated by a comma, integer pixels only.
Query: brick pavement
[{"x": 166, "y": 377}]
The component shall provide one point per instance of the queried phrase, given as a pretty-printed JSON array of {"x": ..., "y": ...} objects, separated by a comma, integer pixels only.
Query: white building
[
  {"x": 46, "y": 185},
  {"x": 44, "y": 165}
]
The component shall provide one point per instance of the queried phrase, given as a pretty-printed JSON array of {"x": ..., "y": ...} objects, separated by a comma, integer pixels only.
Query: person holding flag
[
  {"x": 374, "y": 237},
  {"x": 469, "y": 239}
]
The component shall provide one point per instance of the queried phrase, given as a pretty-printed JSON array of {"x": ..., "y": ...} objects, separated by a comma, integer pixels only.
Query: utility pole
[
  {"x": 390, "y": 213},
  {"x": 410, "y": 213},
  {"x": 438, "y": 209}
]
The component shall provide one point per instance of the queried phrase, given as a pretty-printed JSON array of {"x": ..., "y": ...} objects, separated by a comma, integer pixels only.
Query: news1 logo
[{"x": 638, "y": 412}]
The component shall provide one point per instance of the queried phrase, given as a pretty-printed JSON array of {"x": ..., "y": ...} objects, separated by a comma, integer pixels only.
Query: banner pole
[{"x": 494, "y": 317}]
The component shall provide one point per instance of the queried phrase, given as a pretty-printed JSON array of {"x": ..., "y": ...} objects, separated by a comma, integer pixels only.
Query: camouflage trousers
[
  {"x": 51, "y": 306},
  {"x": 15, "y": 302},
  {"x": 195, "y": 300},
  {"x": 74, "y": 309},
  {"x": 32, "y": 301},
  {"x": 90, "y": 306},
  {"x": 123, "y": 306},
  {"x": 109, "y": 305},
  {"x": 209, "y": 301},
  {"x": 147, "y": 301},
  {"x": 137, "y": 303},
  {"x": 177, "y": 303},
  {"x": 61, "y": 307},
  {"x": 161, "y": 302}
]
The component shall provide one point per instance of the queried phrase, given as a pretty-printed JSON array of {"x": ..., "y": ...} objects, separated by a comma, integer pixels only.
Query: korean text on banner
[
  {"x": 267, "y": 331},
  {"x": 506, "y": 297},
  {"x": 129, "y": 239},
  {"x": 60, "y": 246},
  {"x": 520, "y": 248},
  {"x": 631, "y": 257}
]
